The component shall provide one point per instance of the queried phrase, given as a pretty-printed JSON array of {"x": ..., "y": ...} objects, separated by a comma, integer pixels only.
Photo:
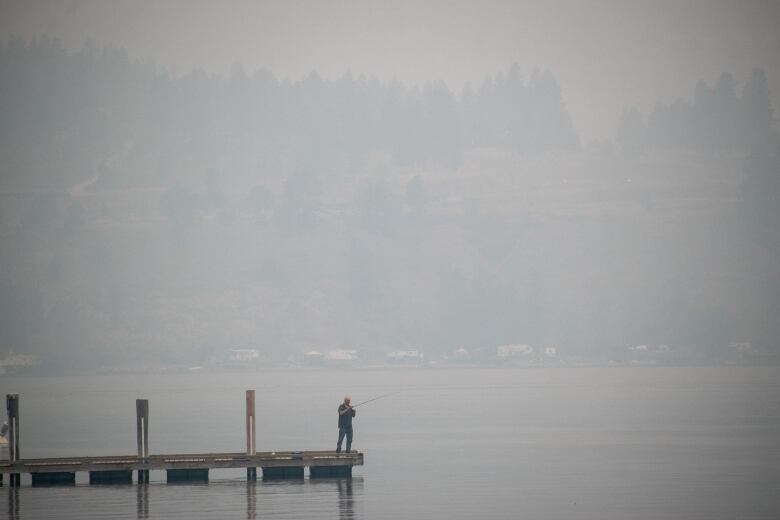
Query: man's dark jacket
[{"x": 345, "y": 421}]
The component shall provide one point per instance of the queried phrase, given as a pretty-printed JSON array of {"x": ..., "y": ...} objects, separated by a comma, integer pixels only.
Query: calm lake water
[{"x": 585, "y": 443}]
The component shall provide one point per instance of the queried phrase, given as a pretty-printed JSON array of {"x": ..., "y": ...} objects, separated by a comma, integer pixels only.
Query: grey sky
[{"x": 606, "y": 54}]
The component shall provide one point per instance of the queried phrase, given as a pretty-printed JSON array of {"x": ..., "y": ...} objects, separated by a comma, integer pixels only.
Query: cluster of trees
[
  {"x": 507, "y": 111},
  {"x": 716, "y": 119},
  {"x": 80, "y": 112},
  {"x": 720, "y": 120}
]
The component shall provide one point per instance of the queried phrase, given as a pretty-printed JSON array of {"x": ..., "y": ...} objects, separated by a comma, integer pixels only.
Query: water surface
[{"x": 589, "y": 443}]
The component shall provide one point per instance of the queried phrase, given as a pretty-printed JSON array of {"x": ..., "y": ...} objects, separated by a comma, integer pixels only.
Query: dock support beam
[
  {"x": 142, "y": 431},
  {"x": 12, "y": 406},
  {"x": 59, "y": 478},
  {"x": 330, "y": 471},
  {"x": 251, "y": 473},
  {"x": 283, "y": 473},
  {"x": 187, "y": 475},
  {"x": 111, "y": 477}
]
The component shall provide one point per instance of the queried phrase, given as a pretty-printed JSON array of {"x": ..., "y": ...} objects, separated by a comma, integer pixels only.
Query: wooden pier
[{"x": 189, "y": 467}]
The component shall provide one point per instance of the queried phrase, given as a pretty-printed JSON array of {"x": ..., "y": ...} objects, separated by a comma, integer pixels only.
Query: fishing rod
[{"x": 375, "y": 398}]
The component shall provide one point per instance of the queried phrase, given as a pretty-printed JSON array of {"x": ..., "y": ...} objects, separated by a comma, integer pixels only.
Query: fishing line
[{"x": 375, "y": 398}]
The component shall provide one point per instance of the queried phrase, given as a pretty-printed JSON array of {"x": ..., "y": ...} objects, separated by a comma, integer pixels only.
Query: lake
[{"x": 585, "y": 443}]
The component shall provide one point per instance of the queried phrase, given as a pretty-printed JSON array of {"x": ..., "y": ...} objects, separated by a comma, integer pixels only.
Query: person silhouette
[{"x": 346, "y": 413}]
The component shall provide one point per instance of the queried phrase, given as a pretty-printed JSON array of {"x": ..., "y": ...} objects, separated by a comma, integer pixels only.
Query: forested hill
[
  {"x": 150, "y": 216},
  {"x": 69, "y": 116}
]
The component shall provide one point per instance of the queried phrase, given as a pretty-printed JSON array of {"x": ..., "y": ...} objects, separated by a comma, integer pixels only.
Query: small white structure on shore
[
  {"x": 512, "y": 351},
  {"x": 313, "y": 357},
  {"x": 243, "y": 355},
  {"x": 740, "y": 346},
  {"x": 13, "y": 362},
  {"x": 341, "y": 355},
  {"x": 406, "y": 356},
  {"x": 461, "y": 353}
]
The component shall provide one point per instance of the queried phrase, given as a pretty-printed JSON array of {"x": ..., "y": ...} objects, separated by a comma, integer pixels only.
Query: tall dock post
[
  {"x": 251, "y": 473},
  {"x": 12, "y": 405},
  {"x": 142, "y": 431}
]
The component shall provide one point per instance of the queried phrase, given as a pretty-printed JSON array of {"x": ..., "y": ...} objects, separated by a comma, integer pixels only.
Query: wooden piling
[
  {"x": 251, "y": 473},
  {"x": 12, "y": 406},
  {"x": 142, "y": 431},
  {"x": 250, "y": 422}
]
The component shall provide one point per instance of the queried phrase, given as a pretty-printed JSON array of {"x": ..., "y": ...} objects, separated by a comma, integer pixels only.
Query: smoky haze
[
  {"x": 160, "y": 207},
  {"x": 606, "y": 54}
]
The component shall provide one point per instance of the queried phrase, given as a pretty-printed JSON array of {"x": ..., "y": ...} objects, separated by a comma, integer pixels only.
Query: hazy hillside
[{"x": 172, "y": 217}]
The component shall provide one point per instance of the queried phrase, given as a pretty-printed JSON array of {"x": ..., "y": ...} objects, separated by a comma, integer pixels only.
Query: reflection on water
[
  {"x": 315, "y": 499},
  {"x": 13, "y": 503},
  {"x": 346, "y": 503},
  {"x": 251, "y": 490},
  {"x": 349, "y": 497},
  {"x": 591, "y": 444},
  {"x": 142, "y": 500}
]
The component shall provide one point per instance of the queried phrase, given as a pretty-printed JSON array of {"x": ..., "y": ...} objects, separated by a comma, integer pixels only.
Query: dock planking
[
  {"x": 185, "y": 461},
  {"x": 180, "y": 467}
]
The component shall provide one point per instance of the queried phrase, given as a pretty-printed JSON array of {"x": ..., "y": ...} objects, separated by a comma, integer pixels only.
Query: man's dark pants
[{"x": 342, "y": 433}]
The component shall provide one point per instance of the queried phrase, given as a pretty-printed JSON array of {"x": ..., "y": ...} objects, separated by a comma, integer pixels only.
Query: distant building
[
  {"x": 550, "y": 351},
  {"x": 461, "y": 354},
  {"x": 341, "y": 355},
  {"x": 513, "y": 351},
  {"x": 406, "y": 356},
  {"x": 740, "y": 347},
  {"x": 243, "y": 355},
  {"x": 15, "y": 362},
  {"x": 313, "y": 358}
]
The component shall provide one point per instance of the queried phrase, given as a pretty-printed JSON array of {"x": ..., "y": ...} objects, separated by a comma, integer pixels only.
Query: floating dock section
[{"x": 188, "y": 467}]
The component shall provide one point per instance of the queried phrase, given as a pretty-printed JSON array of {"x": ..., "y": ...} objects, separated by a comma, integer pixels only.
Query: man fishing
[{"x": 346, "y": 413}]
